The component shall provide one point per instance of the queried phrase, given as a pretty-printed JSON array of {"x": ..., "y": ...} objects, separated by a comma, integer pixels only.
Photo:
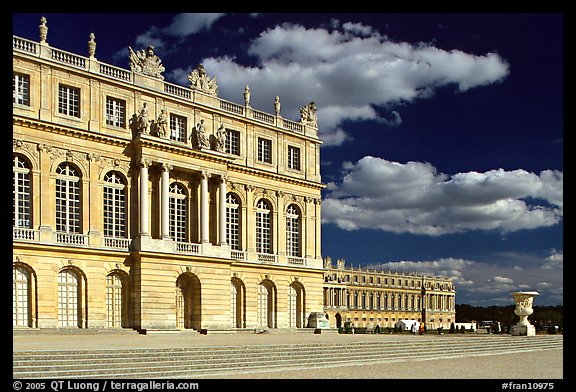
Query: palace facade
[
  {"x": 369, "y": 298},
  {"x": 139, "y": 203},
  {"x": 142, "y": 204}
]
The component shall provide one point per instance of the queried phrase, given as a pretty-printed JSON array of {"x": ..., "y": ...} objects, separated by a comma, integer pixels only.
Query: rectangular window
[
  {"x": 293, "y": 158},
  {"x": 21, "y": 89},
  {"x": 232, "y": 142},
  {"x": 178, "y": 128},
  {"x": 69, "y": 100},
  {"x": 264, "y": 150},
  {"x": 115, "y": 112}
]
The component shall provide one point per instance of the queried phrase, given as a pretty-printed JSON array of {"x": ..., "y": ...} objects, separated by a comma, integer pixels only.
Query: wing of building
[
  {"x": 369, "y": 298},
  {"x": 143, "y": 204}
]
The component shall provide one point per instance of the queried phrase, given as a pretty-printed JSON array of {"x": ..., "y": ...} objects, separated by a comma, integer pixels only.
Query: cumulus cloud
[
  {"x": 487, "y": 283},
  {"x": 414, "y": 198},
  {"x": 555, "y": 261},
  {"x": 346, "y": 70}
]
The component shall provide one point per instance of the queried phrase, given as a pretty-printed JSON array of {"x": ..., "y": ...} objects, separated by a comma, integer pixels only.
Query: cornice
[
  {"x": 278, "y": 177},
  {"x": 70, "y": 131}
]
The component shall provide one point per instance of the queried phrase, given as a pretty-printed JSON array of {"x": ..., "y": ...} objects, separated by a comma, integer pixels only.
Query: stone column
[
  {"x": 222, "y": 212},
  {"x": 165, "y": 198},
  {"x": 204, "y": 235},
  {"x": 144, "y": 163}
]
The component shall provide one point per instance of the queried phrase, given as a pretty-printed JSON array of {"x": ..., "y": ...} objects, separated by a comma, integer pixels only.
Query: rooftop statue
[
  {"x": 308, "y": 115},
  {"x": 146, "y": 62},
  {"x": 200, "y": 81}
]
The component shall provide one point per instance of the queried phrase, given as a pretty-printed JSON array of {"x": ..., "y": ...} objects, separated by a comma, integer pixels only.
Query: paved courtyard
[{"x": 542, "y": 365}]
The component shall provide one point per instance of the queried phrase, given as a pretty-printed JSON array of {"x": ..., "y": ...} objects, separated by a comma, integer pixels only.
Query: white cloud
[
  {"x": 346, "y": 71},
  {"x": 190, "y": 23},
  {"x": 414, "y": 198},
  {"x": 487, "y": 283},
  {"x": 554, "y": 261}
]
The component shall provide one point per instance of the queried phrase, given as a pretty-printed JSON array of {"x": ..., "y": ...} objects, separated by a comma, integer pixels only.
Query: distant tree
[{"x": 452, "y": 329}]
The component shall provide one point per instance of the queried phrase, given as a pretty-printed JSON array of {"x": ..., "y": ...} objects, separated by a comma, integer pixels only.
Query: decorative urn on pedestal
[{"x": 524, "y": 301}]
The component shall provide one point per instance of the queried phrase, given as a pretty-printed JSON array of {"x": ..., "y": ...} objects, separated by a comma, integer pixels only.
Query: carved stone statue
[
  {"x": 247, "y": 96},
  {"x": 162, "y": 125},
  {"x": 146, "y": 62},
  {"x": 201, "y": 137},
  {"x": 221, "y": 139},
  {"x": 143, "y": 122},
  {"x": 200, "y": 81},
  {"x": 308, "y": 115},
  {"x": 277, "y": 105}
]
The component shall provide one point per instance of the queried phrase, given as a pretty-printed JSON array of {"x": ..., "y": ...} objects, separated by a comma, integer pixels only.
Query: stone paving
[{"x": 535, "y": 365}]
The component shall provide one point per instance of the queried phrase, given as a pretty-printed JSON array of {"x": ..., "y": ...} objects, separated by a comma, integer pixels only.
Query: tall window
[
  {"x": 68, "y": 299},
  {"x": 177, "y": 212},
  {"x": 21, "y": 89},
  {"x": 21, "y": 197},
  {"x": 232, "y": 142},
  {"x": 233, "y": 221},
  {"x": 115, "y": 112},
  {"x": 264, "y": 150},
  {"x": 20, "y": 297},
  {"x": 113, "y": 300},
  {"x": 69, "y": 100},
  {"x": 293, "y": 158},
  {"x": 293, "y": 231},
  {"x": 67, "y": 199},
  {"x": 114, "y": 205},
  {"x": 178, "y": 128},
  {"x": 263, "y": 227}
]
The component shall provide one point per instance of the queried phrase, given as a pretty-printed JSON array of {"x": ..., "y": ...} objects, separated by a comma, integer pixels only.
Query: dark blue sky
[{"x": 443, "y": 133}]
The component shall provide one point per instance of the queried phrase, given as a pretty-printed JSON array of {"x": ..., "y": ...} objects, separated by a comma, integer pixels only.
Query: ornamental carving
[
  {"x": 201, "y": 81},
  {"x": 27, "y": 149},
  {"x": 146, "y": 62},
  {"x": 308, "y": 115}
]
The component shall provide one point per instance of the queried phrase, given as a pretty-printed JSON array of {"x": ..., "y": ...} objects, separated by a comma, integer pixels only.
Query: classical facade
[
  {"x": 370, "y": 298},
  {"x": 139, "y": 203}
]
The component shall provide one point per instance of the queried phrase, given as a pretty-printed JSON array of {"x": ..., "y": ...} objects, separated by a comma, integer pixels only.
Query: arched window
[
  {"x": 114, "y": 205},
  {"x": 67, "y": 199},
  {"x": 293, "y": 247},
  {"x": 177, "y": 212},
  {"x": 114, "y": 300},
  {"x": 263, "y": 227},
  {"x": 21, "y": 197},
  {"x": 233, "y": 221},
  {"x": 68, "y": 298},
  {"x": 20, "y": 297}
]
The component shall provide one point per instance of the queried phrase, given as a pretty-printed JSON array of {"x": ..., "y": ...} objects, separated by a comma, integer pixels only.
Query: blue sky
[{"x": 443, "y": 133}]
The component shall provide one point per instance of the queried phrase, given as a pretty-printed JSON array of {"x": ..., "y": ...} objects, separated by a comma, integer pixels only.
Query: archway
[
  {"x": 338, "y": 317},
  {"x": 188, "y": 302},
  {"x": 267, "y": 304}
]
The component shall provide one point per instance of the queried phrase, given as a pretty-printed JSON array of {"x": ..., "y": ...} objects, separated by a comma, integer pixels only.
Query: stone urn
[{"x": 524, "y": 301}]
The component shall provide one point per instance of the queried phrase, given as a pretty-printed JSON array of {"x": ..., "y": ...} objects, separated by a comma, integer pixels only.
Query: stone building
[
  {"x": 369, "y": 298},
  {"x": 139, "y": 203}
]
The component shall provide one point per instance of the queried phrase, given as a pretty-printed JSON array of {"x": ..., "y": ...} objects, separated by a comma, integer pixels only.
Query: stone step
[
  {"x": 202, "y": 350},
  {"x": 200, "y": 361}
]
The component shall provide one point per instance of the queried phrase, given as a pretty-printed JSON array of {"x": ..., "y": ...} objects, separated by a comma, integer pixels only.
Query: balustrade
[
  {"x": 72, "y": 239},
  {"x": 19, "y": 233},
  {"x": 117, "y": 243}
]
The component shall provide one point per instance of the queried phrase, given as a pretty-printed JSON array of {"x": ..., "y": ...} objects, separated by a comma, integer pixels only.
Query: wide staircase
[{"x": 196, "y": 362}]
